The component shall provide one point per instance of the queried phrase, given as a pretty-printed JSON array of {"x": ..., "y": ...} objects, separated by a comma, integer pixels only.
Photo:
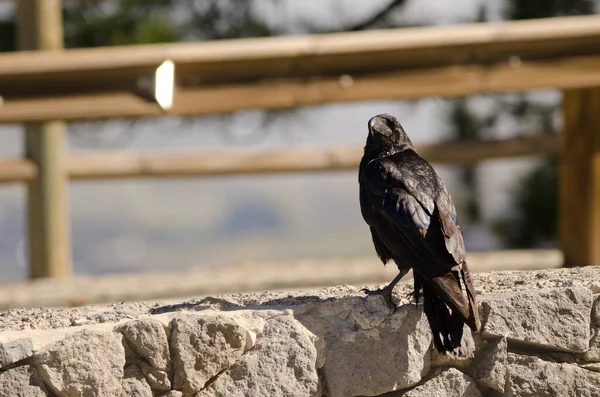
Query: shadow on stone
[{"x": 228, "y": 305}]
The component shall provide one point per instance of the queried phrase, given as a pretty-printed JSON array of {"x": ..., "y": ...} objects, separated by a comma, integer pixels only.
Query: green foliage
[
  {"x": 90, "y": 24},
  {"x": 535, "y": 196},
  {"x": 93, "y": 24},
  {"x": 530, "y": 9},
  {"x": 535, "y": 206},
  {"x": 7, "y": 36},
  {"x": 464, "y": 125},
  {"x": 110, "y": 22},
  {"x": 224, "y": 19}
]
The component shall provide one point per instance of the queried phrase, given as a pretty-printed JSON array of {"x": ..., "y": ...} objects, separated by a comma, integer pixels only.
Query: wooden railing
[
  {"x": 284, "y": 72},
  {"x": 115, "y": 165}
]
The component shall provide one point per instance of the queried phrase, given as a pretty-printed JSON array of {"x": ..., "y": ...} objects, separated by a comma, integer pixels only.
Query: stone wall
[{"x": 540, "y": 337}]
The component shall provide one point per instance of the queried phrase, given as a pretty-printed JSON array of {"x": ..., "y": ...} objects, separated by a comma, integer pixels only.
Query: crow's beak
[{"x": 378, "y": 125}]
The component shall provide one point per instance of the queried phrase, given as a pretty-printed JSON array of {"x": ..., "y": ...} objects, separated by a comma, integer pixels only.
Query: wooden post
[
  {"x": 579, "y": 177},
  {"x": 40, "y": 28}
]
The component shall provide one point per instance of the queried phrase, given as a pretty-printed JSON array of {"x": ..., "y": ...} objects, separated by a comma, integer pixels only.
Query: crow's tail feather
[{"x": 447, "y": 325}]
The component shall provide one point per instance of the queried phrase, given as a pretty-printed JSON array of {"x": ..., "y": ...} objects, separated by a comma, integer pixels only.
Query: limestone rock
[
  {"x": 532, "y": 376},
  {"x": 86, "y": 363},
  {"x": 21, "y": 382},
  {"x": 591, "y": 367},
  {"x": 282, "y": 364},
  {"x": 360, "y": 335},
  {"x": 333, "y": 342},
  {"x": 15, "y": 350},
  {"x": 490, "y": 365},
  {"x": 593, "y": 354},
  {"x": 172, "y": 393},
  {"x": 148, "y": 339},
  {"x": 203, "y": 346},
  {"x": 134, "y": 384},
  {"x": 450, "y": 382},
  {"x": 556, "y": 318},
  {"x": 157, "y": 379},
  {"x": 596, "y": 312}
]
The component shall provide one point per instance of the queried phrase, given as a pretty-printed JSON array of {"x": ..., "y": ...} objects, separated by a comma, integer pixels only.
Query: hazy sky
[{"x": 344, "y": 12}]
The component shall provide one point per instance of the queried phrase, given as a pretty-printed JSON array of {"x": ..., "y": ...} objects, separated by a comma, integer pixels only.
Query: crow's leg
[
  {"x": 386, "y": 292},
  {"x": 415, "y": 295},
  {"x": 418, "y": 285}
]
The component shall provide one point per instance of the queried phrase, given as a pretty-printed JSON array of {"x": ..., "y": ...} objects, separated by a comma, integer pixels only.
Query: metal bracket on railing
[{"x": 160, "y": 88}]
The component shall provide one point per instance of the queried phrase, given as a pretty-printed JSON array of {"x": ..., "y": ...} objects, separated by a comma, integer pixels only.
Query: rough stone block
[
  {"x": 490, "y": 365},
  {"x": 134, "y": 384},
  {"x": 87, "y": 363},
  {"x": 533, "y": 377},
  {"x": 557, "y": 318},
  {"x": 367, "y": 349},
  {"x": 21, "y": 382},
  {"x": 148, "y": 339},
  {"x": 450, "y": 382},
  {"x": 157, "y": 379},
  {"x": 272, "y": 368},
  {"x": 15, "y": 350},
  {"x": 203, "y": 347},
  {"x": 172, "y": 393}
]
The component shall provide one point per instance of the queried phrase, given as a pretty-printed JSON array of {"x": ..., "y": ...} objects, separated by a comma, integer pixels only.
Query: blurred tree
[
  {"x": 7, "y": 36},
  {"x": 93, "y": 24},
  {"x": 122, "y": 22},
  {"x": 224, "y": 19},
  {"x": 535, "y": 196},
  {"x": 536, "y": 204},
  {"x": 531, "y": 9},
  {"x": 379, "y": 18},
  {"x": 467, "y": 125}
]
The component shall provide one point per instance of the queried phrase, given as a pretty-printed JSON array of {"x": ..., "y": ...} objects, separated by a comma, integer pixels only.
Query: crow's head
[{"x": 386, "y": 135}]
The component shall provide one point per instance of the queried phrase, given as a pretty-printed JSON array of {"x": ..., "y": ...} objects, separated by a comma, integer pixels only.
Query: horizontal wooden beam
[
  {"x": 78, "y": 107},
  {"x": 128, "y": 165},
  {"x": 115, "y": 165},
  {"x": 226, "y": 61},
  {"x": 445, "y": 81},
  {"x": 17, "y": 170},
  {"x": 568, "y": 73},
  {"x": 465, "y": 153},
  {"x": 282, "y": 72}
]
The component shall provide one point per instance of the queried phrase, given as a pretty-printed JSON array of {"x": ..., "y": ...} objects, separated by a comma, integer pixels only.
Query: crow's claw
[
  {"x": 386, "y": 294},
  {"x": 415, "y": 296}
]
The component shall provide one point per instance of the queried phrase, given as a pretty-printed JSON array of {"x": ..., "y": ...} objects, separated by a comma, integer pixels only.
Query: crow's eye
[{"x": 389, "y": 123}]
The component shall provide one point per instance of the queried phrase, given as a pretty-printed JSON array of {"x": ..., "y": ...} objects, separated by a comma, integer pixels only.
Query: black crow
[{"x": 413, "y": 222}]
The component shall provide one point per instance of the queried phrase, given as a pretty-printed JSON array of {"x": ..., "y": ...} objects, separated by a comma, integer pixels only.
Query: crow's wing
[
  {"x": 453, "y": 240},
  {"x": 380, "y": 248},
  {"x": 418, "y": 221}
]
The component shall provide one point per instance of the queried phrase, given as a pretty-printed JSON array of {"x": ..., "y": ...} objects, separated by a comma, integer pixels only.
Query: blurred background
[{"x": 177, "y": 224}]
